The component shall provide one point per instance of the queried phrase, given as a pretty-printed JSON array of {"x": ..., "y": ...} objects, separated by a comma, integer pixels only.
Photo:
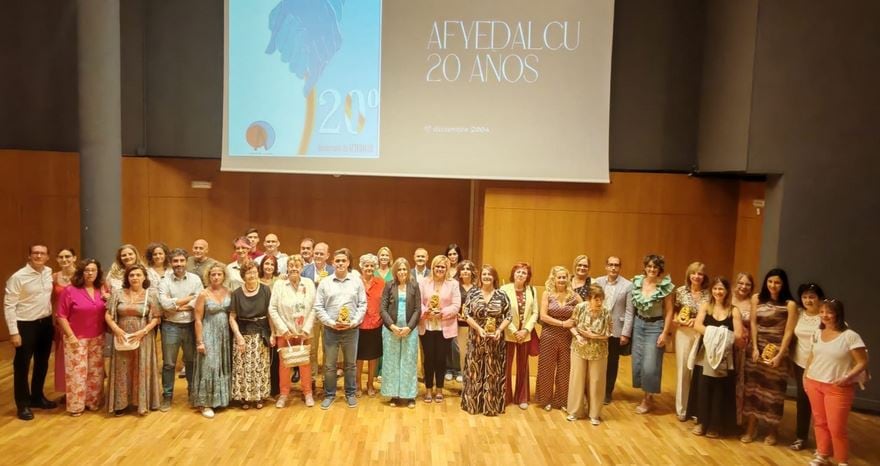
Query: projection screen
[{"x": 512, "y": 90}]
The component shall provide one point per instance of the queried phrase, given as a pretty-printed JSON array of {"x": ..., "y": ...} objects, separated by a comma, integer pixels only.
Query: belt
[
  {"x": 255, "y": 319},
  {"x": 179, "y": 324},
  {"x": 649, "y": 319}
]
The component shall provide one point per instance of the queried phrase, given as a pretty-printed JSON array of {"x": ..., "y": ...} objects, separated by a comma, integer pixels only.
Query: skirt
[{"x": 369, "y": 344}]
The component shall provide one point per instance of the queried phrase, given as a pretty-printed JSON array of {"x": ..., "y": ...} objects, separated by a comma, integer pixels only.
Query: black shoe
[
  {"x": 43, "y": 403},
  {"x": 295, "y": 377},
  {"x": 25, "y": 414}
]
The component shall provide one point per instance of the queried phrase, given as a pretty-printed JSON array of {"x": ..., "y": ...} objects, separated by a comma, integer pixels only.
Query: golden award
[
  {"x": 344, "y": 316},
  {"x": 490, "y": 325},
  {"x": 435, "y": 302},
  {"x": 770, "y": 352},
  {"x": 684, "y": 314}
]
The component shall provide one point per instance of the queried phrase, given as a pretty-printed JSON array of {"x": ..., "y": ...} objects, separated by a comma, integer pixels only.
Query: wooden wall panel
[
  {"x": 684, "y": 218},
  {"x": 39, "y": 201},
  {"x": 361, "y": 213},
  {"x": 749, "y": 229}
]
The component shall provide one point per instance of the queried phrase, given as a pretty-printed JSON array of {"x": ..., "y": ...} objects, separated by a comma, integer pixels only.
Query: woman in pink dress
[
  {"x": 60, "y": 280},
  {"x": 80, "y": 314}
]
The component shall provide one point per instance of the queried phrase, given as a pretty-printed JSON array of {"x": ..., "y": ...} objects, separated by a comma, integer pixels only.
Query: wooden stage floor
[{"x": 375, "y": 433}]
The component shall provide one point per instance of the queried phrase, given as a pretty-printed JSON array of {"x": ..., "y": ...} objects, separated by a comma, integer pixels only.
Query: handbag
[
  {"x": 534, "y": 344},
  {"x": 129, "y": 343},
  {"x": 292, "y": 356}
]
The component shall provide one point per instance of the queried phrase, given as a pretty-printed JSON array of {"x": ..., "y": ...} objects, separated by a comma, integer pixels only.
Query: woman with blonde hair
[
  {"x": 126, "y": 256},
  {"x": 441, "y": 301},
  {"x": 580, "y": 280},
  {"x": 554, "y": 358},
  {"x": 688, "y": 299},
  {"x": 383, "y": 266},
  {"x": 212, "y": 369}
]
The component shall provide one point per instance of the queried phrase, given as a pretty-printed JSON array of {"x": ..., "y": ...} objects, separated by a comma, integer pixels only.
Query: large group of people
[{"x": 249, "y": 329}]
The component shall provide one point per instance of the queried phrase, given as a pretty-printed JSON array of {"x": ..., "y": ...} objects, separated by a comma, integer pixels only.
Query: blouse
[
  {"x": 803, "y": 332},
  {"x": 651, "y": 306},
  {"x": 372, "y": 319},
  {"x": 84, "y": 313},
  {"x": 252, "y": 312},
  {"x": 591, "y": 349},
  {"x": 832, "y": 359},
  {"x": 684, "y": 298},
  {"x": 291, "y": 309}
]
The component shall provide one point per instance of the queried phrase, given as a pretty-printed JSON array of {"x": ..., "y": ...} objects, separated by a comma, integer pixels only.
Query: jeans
[
  {"x": 36, "y": 343},
  {"x": 647, "y": 358},
  {"x": 174, "y": 338},
  {"x": 348, "y": 341}
]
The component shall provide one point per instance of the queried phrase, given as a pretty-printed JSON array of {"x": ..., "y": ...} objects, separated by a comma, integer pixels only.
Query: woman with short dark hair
[
  {"x": 249, "y": 322},
  {"x": 809, "y": 295},
  {"x": 652, "y": 298}
]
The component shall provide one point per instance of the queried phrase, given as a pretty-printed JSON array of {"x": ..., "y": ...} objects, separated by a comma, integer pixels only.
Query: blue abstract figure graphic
[{"x": 307, "y": 34}]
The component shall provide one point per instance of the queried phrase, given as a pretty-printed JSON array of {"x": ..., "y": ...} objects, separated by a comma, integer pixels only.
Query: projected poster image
[{"x": 303, "y": 78}]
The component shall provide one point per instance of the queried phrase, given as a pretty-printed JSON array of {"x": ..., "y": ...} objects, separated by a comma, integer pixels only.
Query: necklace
[{"x": 248, "y": 288}]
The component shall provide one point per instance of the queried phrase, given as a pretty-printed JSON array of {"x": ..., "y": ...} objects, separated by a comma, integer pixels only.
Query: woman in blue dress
[
  {"x": 400, "y": 310},
  {"x": 212, "y": 370}
]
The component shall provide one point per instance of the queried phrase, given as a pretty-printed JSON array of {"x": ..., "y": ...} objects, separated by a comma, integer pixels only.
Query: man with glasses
[
  {"x": 28, "y": 310},
  {"x": 618, "y": 300}
]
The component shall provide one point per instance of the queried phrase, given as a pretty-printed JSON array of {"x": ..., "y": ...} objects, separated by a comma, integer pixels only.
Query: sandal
[
  {"x": 798, "y": 444},
  {"x": 428, "y": 398},
  {"x": 393, "y": 402},
  {"x": 245, "y": 406},
  {"x": 259, "y": 405},
  {"x": 712, "y": 434},
  {"x": 76, "y": 414},
  {"x": 371, "y": 392},
  {"x": 438, "y": 398},
  {"x": 770, "y": 439},
  {"x": 411, "y": 404},
  {"x": 747, "y": 438},
  {"x": 698, "y": 430}
]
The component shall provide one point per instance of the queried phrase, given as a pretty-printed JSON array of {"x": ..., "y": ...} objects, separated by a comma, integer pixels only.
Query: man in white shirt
[
  {"x": 177, "y": 297},
  {"x": 271, "y": 244},
  {"x": 618, "y": 301},
  {"x": 342, "y": 290},
  {"x": 28, "y": 311}
]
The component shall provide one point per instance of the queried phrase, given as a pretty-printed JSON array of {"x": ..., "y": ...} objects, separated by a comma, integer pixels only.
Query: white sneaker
[
  {"x": 208, "y": 413},
  {"x": 595, "y": 421},
  {"x": 523, "y": 406},
  {"x": 282, "y": 401},
  {"x": 819, "y": 460},
  {"x": 459, "y": 378},
  {"x": 448, "y": 376},
  {"x": 310, "y": 401}
]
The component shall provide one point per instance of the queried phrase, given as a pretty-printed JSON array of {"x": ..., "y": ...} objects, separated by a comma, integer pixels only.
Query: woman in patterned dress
[
  {"x": 652, "y": 298},
  {"x": 60, "y": 280},
  {"x": 133, "y": 312},
  {"x": 557, "y": 305},
  {"x": 485, "y": 360},
  {"x": 773, "y": 321},
  {"x": 249, "y": 321},
  {"x": 401, "y": 310},
  {"x": 742, "y": 300},
  {"x": 212, "y": 371},
  {"x": 691, "y": 295}
]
